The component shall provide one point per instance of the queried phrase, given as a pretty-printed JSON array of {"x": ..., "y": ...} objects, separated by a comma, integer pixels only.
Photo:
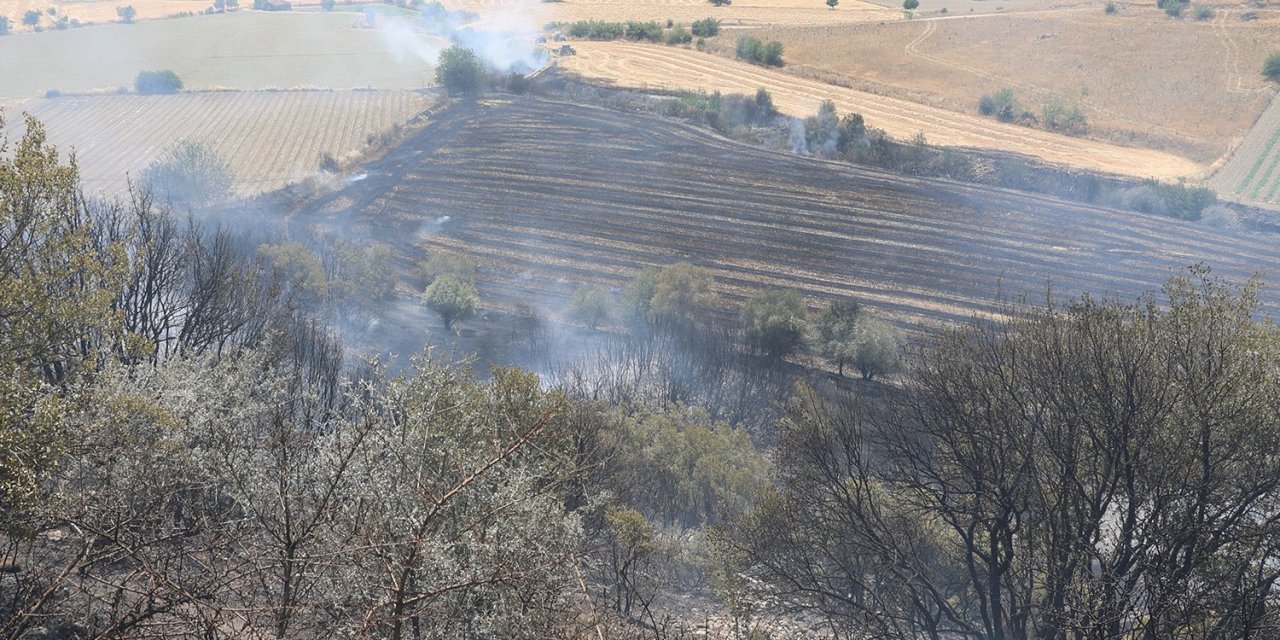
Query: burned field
[{"x": 547, "y": 195}]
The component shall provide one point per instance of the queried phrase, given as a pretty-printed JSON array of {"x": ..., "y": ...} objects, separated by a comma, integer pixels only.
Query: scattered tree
[
  {"x": 154, "y": 82},
  {"x": 706, "y": 27},
  {"x": 910, "y": 5},
  {"x": 461, "y": 72},
  {"x": 776, "y": 322},
  {"x": 759, "y": 52},
  {"x": 4, "y": 26},
  {"x": 721, "y": 3},
  {"x": 190, "y": 174},
  {"x": 879, "y": 346},
  {"x": 833, "y": 3},
  {"x": 1271, "y": 67},
  {"x": 31, "y": 18},
  {"x": 838, "y": 332},
  {"x": 126, "y": 13},
  {"x": 682, "y": 296},
  {"x": 591, "y": 305},
  {"x": 452, "y": 298}
]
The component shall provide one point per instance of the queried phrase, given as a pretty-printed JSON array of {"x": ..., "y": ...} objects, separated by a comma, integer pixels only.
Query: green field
[{"x": 244, "y": 50}]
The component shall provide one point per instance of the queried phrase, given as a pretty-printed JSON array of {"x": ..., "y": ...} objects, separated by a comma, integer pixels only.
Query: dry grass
[
  {"x": 741, "y": 13},
  {"x": 270, "y": 138},
  {"x": 1186, "y": 86},
  {"x": 677, "y": 68},
  {"x": 98, "y": 11}
]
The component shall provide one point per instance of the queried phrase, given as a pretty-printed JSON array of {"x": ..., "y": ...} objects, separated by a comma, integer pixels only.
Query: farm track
[
  {"x": 270, "y": 138},
  {"x": 547, "y": 195},
  {"x": 1253, "y": 171},
  {"x": 644, "y": 66}
]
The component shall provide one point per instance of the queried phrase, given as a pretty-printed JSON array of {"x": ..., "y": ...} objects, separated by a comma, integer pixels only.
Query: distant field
[
  {"x": 97, "y": 11},
  {"x": 270, "y": 138},
  {"x": 547, "y": 195},
  {"x": 243, "y": 50},
  {"x": 740, "y": 13},
  {"x": 658, "y": 66},
  {"x": 1253, "y": 173},
  {"x": 1186, "y": 86}
]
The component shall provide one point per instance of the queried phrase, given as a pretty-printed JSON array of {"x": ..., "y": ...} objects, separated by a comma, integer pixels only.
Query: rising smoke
[{"x": 503, "y": 37}]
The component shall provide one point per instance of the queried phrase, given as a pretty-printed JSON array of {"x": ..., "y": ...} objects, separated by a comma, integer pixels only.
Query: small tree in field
[
  {"x": 460, "y": 71},
  {"x": 721, "y": 3},
  {"x": 190, "y": 174},
  {"x": 910, "y": 5},
  {"x": 1271, "y": 68},
  {"x": 879, "y": 346},
  {"x": 838, "y": 332},
  {"x": 452, "y": 298},
  {"x": 4, "y": 26},
  {"x": 31, "y": 18},
  {"x": 153, "y": 82},
  {"x": 776, "y": 322},
  {"x": 833, "y": 3},
  {"x": 127, "y": 13},
  {"x": 591, "y": 305}
]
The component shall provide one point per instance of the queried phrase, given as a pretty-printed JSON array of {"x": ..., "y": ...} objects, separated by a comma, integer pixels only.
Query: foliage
[
  {"x": 1002, "y": 104},
  {"x": 126, "y": 13},
  {"x": 651, "y": 31},
  {"x": 31, "y": 18},
  {"x": 461, "y": 72},
  {"x": 1203, "y": 12},
  {"x": 833, "y": 3},
  {"x": 838, "y": 335},
  {"x": 359, "y": 272},
  {"x": 706, "y": 27},
  {"x": 190, "y": 174},
  {"x": 5, "y": 27},
  {"x": 444, "y": 263},
  {"x": 1271, "y": 66},
  {"x": 679, "y": 35},
  {"x": 1058, "y": 117},
  {"x": 878, "y": 348},
  {"x": 682, "y": 296},
  {"x": 299, "y": 269},
  {"x": 453, "y": 298},
  {"x": 757, "y": 51},
  {"x": 721, "y": 3},
  {"x": 597, "y": 30},
  {"x": 1110, "y": 8},
  {"x": 776, "y": 322},
  {"x": 1174, "y": 8},
  {"x": 327, "y": 5},
  {"x": 910, "y": 5},
  {"x": 591, "y": 305},
  {"x": 155, "y": 82},
  {"x": 637, "y": 296}
]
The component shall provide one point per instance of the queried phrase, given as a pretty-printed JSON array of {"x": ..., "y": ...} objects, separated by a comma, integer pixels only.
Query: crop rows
[
  {"x": 1253, "y": 172},
  {"x": 270, "y": 138},
  {"x": 547, "y": 195}
]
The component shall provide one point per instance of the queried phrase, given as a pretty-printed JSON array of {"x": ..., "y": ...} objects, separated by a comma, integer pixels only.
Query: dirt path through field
[{"x": 645, "y": 66}]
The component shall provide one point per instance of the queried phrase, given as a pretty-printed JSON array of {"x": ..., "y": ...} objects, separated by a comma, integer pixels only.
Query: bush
[
  {"x": 126, "y": 13},
  {"x": 706, "y": 28},
  {"x": 31, "y": 18},
  {"x": 326, "y": 5},
  {"x": 1111, "y": 8},
  {"x": 592, "y": 305},
  {"x": 154, "y": 82},
  {"x": 190, "y": 174},
  {"x": 1066, "y": 119},
  {"x": 776, "y": 322},
  {"x": 460, "y": 71},
  {"x": 757, "y": 51},
  {"x": 1271, "y": 68},
  {"x": 721, "y": 3},
  {"x": 651, "y": 31},
  {"x": 53, "y": 93},
  {"x": 597, "y": 30},
  {"x": 1203, "y": 12},
  {"x": 679, "y": 35},
  {"x": 910, "y": 5},
  {"x": 1174, "y": 8},
  {"x": 1003, "y": 105},
  {"x": 452, "y": 298}
]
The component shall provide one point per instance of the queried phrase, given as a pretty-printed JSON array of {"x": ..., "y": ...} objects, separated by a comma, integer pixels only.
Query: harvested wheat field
[
  {"x": 1253, "y": 172},
  {"x": 96, "y": 11},
  {"x": 1191, "y": 87},
  {"x": 547, "y": 195},
  {"x": 270, "y": 138},
  {"x": 646, "y": 66},
  {"x": 755, "y": 13}
]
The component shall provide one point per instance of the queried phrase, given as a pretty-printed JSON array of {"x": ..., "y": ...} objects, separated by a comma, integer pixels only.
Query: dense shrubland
[{"x": 187, "y": 450}]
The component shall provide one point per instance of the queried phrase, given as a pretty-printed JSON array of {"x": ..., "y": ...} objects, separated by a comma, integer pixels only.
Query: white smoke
[{"x": 504, "y": 36}]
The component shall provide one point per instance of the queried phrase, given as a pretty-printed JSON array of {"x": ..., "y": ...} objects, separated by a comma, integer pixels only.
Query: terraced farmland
[
  {"x": 270, "y": 138},
  {"x": 648, "y": 66},
  {"x": 1253, "y": 172},
  {"x": 547, "y": 195}
]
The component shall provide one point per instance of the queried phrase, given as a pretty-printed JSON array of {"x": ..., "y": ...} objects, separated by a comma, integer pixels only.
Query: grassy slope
[{"x": 245, "y": 50}]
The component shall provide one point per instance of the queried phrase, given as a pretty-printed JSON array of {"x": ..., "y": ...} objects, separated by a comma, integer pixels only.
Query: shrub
[
  {"x": 910, "y": 5},
  {"x": 1174, "y": 8},
  {"x": 127, "y": 13},
  {"x": 452, "y": 298},
  {"x": 1062, "y": 118},
  {"x": 460, "y": 71},
  {"x": 757, "y": 51},
  {"x": 721, "y": 3},
  {"x": 679, "y": 35},
  {"x": 153, "y": 82},
  {"x": 776, "y": 322},
  {"x": 591, "y": 305},
  {"x": 31, "y": 18},
  {"x": 833, "y": 3},
  {"x": 53, "y": 93},
  {"x": 1111, "y": 8},
  {"x": 706, "y": 27},
  {"x": 4, "y": 26},
  {"x": 651, "y": 31},
  {"x": 326, "y": 5},
  {"x": 597, "y": 30},
  {"x": 1271, "y": 67},
  {"x": 190, "y": 174},
  {"x": 1003, "y": 105},
  {"x": 1203, "y": 12}
]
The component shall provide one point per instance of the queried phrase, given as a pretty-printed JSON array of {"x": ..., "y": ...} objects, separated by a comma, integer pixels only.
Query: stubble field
[
  {"x": 270, "y": 138},
  {"x": 547, "y": 195}
]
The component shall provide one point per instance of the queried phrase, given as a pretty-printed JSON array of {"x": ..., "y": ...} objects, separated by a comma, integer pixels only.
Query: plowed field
[
  {"x": 1253, "y": 172},
  {"x": 270, "y": 138},
  {"x": 637, "y": 65},
  {"x": 546, "y": 195}
]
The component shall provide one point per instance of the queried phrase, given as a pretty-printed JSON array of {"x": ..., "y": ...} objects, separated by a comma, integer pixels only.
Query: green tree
[
  {"x": 154, "y": 82},
  {"x": 327, "y": 5},
  {"x": 460, "y": 71},
  {"x": 910, "y": 5},
  {"x": 5, "y": 27},
  {"x": 776, "y": 321},
  {"x": 838, "y": 332},
  {"x": 190, "y": 174},
  {"x": 126, "y": 13},
  {"x": 879, "y": 348},
  {"x": 445, "y": 263},
  {"x": 833, "y": 3},
  {"x": 637, "y": 296},
  {"x": 1271, "y": 67},
  {"x": 31, "y": 18},
  {"x": 591, "y": 305},
  {"x": 721, "y": 3},
  {"x": 299, "y": 268},
  {"x": 682, "y": 296},
  {"x": 452, "y": 298}
]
